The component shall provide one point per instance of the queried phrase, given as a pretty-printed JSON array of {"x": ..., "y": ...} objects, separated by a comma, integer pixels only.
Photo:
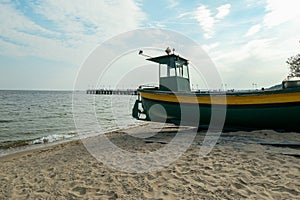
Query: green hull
[{"x": 284, "y": 116}]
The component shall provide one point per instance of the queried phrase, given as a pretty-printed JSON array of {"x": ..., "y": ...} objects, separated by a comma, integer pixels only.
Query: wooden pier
[{"x": 112, "y": 92}]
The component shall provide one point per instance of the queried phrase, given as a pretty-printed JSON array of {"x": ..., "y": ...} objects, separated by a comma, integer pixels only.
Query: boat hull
[{"x": 279, "y": 110}]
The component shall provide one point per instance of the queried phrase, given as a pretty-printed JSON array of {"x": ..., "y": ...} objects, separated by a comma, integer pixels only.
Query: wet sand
[{"x": 238, "y": 167}]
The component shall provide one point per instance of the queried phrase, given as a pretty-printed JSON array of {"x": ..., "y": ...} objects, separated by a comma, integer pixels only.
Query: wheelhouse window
[
  {"x": 181, "y": 69},
  {"x": 163, "y": 70},
  {"x": 172, "y": 72}
]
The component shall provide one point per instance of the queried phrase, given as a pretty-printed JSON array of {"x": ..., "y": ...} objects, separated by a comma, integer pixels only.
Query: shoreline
[
  {"x": 33, "y": 146},
  {"x": 234, "y": 169}
]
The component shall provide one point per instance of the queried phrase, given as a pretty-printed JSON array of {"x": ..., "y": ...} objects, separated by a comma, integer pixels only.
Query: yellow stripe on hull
[{"x": 225, "y": 99}]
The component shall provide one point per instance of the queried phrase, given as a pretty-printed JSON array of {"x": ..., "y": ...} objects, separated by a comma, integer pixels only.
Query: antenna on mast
[{"x": 142, "y": 53}]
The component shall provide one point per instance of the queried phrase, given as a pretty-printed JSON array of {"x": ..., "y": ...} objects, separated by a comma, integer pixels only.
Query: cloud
[
  {"x": 259, "y": 48},
  {"x": 223, "y": 11},
  {"x": 172, "y": 3},
  {"x": 210, "y": 47},
  {"x": 253, "y": 29},
  {"x": 279, "y": 12},
  {"x": 253, "y": 60},
  {"x": 208, "y": 21},
  {"x": 13, "y": 20},
  {"x": 20, "y": 36},
  {"x": 92, "y": 16},
  {"x": 66, "y": 30}
]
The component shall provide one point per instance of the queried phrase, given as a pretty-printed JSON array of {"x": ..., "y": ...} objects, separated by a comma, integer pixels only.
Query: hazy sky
[{"x": 43, "y": 43}]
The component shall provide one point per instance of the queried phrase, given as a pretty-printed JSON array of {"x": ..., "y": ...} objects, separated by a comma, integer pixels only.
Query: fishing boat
[{"x": 173, "y": 101}]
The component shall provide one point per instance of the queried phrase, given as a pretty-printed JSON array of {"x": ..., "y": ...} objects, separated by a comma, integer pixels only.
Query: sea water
[{"x": 29, "y": 118}]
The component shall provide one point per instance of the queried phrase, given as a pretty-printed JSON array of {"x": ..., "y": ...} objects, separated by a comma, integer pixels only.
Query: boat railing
[
  {"x": 292, "y": 78},
  {"x": 148, "y": 87}
]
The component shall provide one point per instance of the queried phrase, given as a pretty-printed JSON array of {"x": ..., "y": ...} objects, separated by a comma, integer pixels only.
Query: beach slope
[{"x": 232, "y": 170}]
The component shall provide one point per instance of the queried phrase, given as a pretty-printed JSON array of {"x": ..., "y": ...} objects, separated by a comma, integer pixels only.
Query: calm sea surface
[{"x": 29, "y": 118}]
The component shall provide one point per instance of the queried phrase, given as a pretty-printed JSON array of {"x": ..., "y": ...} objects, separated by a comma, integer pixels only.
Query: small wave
[
  {"x": 59, "y": 115},
  {"x": 6, "y": 120},
  {"x": 51, "y": 138},
  {"x": 49, "y": 117},
  {"x": 14, "y": 144}
]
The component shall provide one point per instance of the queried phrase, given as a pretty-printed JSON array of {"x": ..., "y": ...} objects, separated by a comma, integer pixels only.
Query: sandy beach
[{"x": 236, "y": 168}]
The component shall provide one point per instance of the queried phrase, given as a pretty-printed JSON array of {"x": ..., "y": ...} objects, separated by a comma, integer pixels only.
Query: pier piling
[{"x": 112, "y": 92}]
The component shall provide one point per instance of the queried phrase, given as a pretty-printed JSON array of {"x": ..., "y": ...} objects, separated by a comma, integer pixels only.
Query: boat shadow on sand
[{"x": 287, "y": 143}]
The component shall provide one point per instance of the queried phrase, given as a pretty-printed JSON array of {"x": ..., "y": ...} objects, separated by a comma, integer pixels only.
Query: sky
[{"x": 44, "y": 43}]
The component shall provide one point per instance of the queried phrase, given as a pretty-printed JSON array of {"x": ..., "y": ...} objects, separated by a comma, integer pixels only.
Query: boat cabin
[
  {"x": 291, "y": 82},
  {"x": 173, "y": 73}
]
